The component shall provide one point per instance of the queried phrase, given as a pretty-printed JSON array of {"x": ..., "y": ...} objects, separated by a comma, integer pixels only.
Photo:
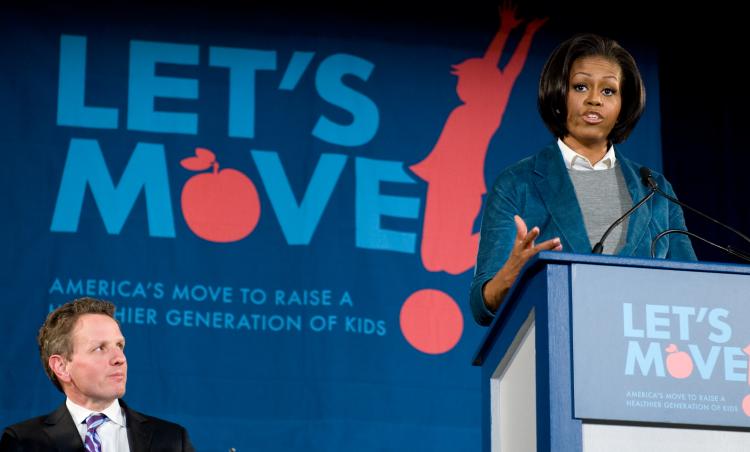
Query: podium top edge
[{"x": 624, "y": 261}]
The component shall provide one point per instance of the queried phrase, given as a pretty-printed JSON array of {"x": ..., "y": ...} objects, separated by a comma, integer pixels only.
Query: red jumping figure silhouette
[{"x": 454, "y": 169}]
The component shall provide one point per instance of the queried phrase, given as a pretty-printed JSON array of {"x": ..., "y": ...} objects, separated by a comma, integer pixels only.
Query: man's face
[{"x": 97, "y": 371}]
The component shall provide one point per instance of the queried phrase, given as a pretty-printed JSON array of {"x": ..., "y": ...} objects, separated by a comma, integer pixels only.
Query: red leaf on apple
[
  {"x": 671, "y": 349},
  {"x": 203, "y": 160},
  {"x": 195, "y": 164},
  {"x": 205, "y": 154}
]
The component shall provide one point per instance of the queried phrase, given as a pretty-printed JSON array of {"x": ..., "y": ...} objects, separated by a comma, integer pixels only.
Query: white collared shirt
[
  {"x": 576, "y": 161},
  {"x": 113, "y": 433}
]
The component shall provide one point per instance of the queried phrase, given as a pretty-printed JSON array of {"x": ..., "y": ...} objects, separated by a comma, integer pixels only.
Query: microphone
[
  {"x": 599, "y": 246},
  {"x": 648, "y": 180}
]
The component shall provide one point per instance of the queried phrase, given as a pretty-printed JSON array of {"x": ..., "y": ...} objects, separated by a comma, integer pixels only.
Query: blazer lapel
[
  {"x": 139, "y": 429},
  {"x": 641, "y": 217},
  {"x": 559, "y": 197},
  {"x": 62, "y": 431}
]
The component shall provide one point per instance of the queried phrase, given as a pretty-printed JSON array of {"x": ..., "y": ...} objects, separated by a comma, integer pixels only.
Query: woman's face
[{"x": 593, "y": 103}]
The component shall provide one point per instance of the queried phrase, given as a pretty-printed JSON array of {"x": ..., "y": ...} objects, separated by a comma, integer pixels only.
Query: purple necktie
[{"x": 92, "y": 442}]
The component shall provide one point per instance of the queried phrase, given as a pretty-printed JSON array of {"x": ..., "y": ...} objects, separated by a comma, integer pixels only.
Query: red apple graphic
[
  {"x": 679, "y": 364},
  {"x": 218, "y": 206}
]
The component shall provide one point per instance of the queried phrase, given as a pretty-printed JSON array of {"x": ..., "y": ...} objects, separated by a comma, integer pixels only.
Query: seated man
[{"x": 82, "y": 351}]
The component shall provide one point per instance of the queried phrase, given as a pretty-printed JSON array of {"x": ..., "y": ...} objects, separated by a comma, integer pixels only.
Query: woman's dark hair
[{"x": 553, "y": 84}]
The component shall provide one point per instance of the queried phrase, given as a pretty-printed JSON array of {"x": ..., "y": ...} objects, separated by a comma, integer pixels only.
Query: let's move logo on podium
[
  {"x": 672, "y": 346},
  {"x": 706, "y": 358}
]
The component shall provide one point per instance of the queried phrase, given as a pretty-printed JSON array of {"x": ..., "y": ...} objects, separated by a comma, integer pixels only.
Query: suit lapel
[
  {"x": 641, "y": 217},
  {"x": 62, "y": 431},
  {"x": 139, "y": 429},
  {"x": 557, "y": 192}
]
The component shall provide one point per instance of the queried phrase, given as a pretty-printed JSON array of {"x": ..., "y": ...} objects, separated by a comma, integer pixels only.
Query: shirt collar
[
  {"x": 79, "y": 413},
  {"x": 576, "y": 161}
]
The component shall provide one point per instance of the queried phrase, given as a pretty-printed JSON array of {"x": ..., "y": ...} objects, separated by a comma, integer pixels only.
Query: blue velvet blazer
[{"x": 539, "y": 189}]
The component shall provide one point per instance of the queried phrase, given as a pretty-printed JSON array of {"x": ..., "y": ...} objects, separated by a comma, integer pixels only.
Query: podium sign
[{"x": 661, "y": 345}]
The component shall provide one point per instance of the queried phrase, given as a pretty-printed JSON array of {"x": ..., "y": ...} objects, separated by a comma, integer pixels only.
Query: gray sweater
[{"x": 603, "y": 197}]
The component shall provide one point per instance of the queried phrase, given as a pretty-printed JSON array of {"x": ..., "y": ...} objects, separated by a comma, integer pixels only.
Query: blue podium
[{"x": 604, "y": 353}]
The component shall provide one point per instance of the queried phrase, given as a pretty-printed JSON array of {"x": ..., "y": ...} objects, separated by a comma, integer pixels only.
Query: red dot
[
  {"x": 431, "y": 321},
  {"x": 746, "y": 405}
]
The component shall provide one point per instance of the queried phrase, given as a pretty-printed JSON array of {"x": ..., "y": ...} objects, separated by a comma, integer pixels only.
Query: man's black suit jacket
[{"x": 56, "y": 432}]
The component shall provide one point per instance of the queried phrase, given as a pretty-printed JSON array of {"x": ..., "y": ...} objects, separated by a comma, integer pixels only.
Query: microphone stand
[
  {"x": 678, "y": 202},
  {"x": 649, "y": 181},
  {"x": 728, "y": 249},
  {"x": 599, "y": 247}
]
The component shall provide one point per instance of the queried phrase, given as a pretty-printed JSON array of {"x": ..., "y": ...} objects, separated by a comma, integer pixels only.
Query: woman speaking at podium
[{"x": 590, "y": 97}]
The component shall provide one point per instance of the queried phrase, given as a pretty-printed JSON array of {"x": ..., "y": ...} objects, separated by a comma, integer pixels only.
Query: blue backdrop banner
[{"x": 283, "y": 208}]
